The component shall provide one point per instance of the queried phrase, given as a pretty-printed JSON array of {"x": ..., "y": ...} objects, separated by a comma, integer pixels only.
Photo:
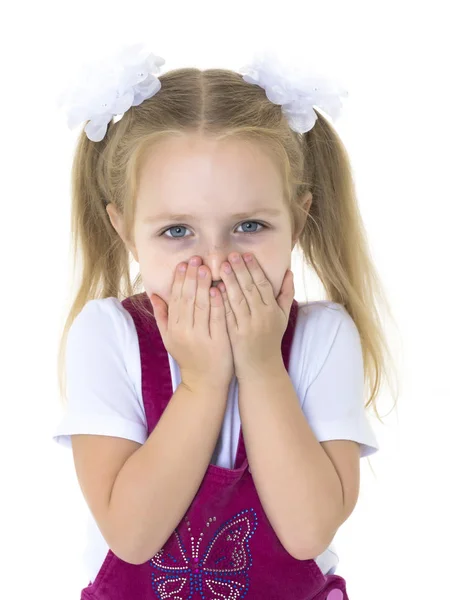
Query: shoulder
[
  {"x": 103, "y": 328},
  {"x": 325, "y": 334},
  {"x": 103, "y": 367},
  {"x": 323, "y": 319},
  {"x": 102, "y": 316},
  {"x": 332, "y": 389}
]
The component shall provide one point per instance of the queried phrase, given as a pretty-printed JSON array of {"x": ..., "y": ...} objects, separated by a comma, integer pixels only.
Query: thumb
[{"x": 287, "y": 291}]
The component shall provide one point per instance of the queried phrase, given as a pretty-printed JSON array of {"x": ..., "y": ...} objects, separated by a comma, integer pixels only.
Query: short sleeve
[
  {"x": 334, "y": 400},
  {"x": 102, "y": 399}
]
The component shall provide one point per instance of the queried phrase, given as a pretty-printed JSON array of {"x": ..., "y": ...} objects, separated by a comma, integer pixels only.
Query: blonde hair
[{"x": 221, "y": 104}]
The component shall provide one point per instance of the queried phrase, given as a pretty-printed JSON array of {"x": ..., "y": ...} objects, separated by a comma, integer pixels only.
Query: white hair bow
[
  {"x": 109, "y": 87},
  {"x": 296, "y": 90}
]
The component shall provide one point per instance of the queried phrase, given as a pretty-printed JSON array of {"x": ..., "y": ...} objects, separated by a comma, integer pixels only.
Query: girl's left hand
[{"x": 256, "y": 320}]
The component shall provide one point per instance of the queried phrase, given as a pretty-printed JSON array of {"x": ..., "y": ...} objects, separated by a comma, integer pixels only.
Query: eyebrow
[{"x": 182, "y": 216}]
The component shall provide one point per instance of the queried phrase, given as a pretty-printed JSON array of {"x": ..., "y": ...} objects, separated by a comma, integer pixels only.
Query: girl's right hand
[{"x": 194, "y": 329}]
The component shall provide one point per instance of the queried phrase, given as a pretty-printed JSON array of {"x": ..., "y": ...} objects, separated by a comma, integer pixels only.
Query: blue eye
[{"x": 183, "y": 227}]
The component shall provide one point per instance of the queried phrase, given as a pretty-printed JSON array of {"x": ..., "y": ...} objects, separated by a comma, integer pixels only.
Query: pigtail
[
  {"x": 335, "y": 245},
  {"x": 97, "y": 247}
]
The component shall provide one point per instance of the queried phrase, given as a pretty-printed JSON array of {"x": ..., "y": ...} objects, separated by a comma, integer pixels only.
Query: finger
[
  {"x": 202, "y": 303},
  {"x": 263, "y": 287},
  {"x": 244, "y": 277},
  {"x": 235, "y": 296},
  {"x": 189, "y": 292},
  {"x": 176, "y": 292},
  {"x": 217, "y": 321},
  {"x": 229, "y": 314}
]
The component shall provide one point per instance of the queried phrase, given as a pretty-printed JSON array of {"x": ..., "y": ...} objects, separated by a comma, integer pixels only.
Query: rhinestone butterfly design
[{"x": 222, "y": 571}]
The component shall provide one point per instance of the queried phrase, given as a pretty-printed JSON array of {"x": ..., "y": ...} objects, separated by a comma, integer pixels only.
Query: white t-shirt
[{"x": 105, "y": 395}]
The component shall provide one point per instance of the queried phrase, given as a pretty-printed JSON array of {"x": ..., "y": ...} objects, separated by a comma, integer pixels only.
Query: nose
[{"x": 214, "y": 262}]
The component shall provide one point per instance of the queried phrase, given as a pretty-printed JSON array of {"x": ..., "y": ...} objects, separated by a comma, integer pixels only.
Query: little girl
[{"x": 216, "y": 424}]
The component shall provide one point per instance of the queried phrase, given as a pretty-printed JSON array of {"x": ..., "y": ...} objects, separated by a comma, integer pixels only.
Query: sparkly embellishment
[{"x": 221, "y": 571}]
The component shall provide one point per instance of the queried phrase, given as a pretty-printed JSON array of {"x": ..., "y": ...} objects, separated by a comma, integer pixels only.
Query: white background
[{"x": 396, "y": 128}]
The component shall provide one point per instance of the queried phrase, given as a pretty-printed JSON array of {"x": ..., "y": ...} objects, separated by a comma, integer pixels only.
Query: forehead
[{"x": 204, "y": 172}]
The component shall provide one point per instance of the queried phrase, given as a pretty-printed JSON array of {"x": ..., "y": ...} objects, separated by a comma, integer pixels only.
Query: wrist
[
  {"x": 270, "y": 369},
  {"x": 195, "y": 382}
]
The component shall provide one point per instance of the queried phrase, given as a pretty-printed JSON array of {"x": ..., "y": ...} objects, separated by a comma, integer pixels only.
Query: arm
[
  {"x": 158, "y": 482},
  {"x": 297, "y": 483}
]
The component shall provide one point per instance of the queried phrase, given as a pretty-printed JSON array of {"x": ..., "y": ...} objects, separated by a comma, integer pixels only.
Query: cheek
[{"x": 158, "y": 278}]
